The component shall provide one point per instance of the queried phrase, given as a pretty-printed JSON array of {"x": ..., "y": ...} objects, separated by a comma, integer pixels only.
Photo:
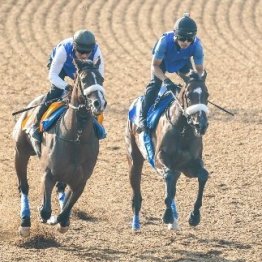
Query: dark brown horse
[
  {"x": 69, "y": 149},
  {"x": 178, "y": 146}
]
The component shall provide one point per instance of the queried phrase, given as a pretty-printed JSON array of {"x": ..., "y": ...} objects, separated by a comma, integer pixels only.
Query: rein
[
  {"x": 86, "y": 105},
  {"x": 188, "y": 111}
]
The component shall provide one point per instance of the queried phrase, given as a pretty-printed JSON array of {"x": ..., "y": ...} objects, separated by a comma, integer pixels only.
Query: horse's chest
[{"x": 181, "y": 149}]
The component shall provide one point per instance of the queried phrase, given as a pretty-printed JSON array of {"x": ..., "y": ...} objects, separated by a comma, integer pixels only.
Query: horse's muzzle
[
  {"x": 98, "y": 107},
  {"x": 200, "y": 124}
]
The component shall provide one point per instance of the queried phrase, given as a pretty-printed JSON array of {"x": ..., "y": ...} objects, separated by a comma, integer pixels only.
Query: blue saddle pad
[
  {"x": 99, "y": 130},
  {"x": 48, "y": 123},
  {"x": 154, "y": 113}
]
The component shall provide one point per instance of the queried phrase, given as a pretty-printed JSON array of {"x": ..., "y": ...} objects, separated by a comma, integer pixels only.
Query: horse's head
[
  {"x": 91, "y": 83},
  {"x": 194, "y": 99}
]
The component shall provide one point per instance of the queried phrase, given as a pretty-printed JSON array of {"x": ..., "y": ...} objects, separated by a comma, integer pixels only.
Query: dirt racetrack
[{"x": 231, "y": 226}]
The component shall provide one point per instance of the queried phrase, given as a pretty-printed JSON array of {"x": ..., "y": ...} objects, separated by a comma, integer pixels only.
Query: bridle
[
  {"x": 87, "y": 101},
  {"x": 187, "y": 110},
  {"x": 85, "y": 106}
]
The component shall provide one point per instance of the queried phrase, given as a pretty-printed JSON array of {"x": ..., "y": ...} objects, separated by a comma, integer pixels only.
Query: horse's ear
[
  {"x": 184, "y": 77},
  {"x": 78, "y": 63}
]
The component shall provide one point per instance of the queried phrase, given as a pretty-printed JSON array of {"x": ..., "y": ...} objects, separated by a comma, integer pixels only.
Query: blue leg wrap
[
  {"x": 25, "y": 207},
  {"x": 174, "y": 209},
  {"x": 61, "y": 199},
  {"x": 136, "y": 223}
]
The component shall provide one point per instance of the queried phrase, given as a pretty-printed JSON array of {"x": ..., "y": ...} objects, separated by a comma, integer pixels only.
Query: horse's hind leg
[
  {"x": 195, "y": 217},
  {"x": 170, "y": 216},
  {"x": 21, "y": 162},
  {"x": 135, "y": 162},
  {"x": 48, "y": 183}
]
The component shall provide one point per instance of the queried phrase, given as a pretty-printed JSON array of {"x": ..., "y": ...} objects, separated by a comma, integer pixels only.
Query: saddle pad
[
  {"x": 155, "y": 111},
  {"x": 28, "y": 121},
  {"x": 51, "y": 115},
  {"x": 49, "y": 121},
  {"x": 162, "y": 103}
]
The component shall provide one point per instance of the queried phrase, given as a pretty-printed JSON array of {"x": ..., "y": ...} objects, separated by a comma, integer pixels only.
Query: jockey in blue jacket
[
  {"x": 172, "y": 54},
  {"x": 82, "y": 46}
]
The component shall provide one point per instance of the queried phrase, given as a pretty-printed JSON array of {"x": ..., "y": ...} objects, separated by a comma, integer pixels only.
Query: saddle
[
  {"x": 164, "y": 99},
  {"x": 52, "y": 114}
]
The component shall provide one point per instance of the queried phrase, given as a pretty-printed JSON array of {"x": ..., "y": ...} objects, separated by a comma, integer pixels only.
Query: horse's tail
[{"x": 18, "y": 126}]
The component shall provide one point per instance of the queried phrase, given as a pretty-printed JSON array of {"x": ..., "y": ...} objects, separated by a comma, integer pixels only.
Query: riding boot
[
  {"x": 35, "y": 134},
  {"x": 152, "y": 90}
]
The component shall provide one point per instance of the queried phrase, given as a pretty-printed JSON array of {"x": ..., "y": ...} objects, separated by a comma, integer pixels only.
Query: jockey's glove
[
  {"x": 171, "y": 86},
  {"x": 68, "y": 88}
]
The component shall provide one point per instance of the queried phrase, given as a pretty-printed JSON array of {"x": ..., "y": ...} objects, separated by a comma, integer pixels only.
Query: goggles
[
  {"x": 185, "y": 38},
  {"x": 83, "y": 51}
]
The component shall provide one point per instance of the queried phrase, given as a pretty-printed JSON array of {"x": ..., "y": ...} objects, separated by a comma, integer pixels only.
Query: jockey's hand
[
  {"x": 69, "y": 88},
  {"x": 171, "y": 86}
]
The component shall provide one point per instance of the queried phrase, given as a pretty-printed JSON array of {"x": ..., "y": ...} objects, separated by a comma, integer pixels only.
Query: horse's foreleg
[
  {"x": 170, "y": 216},
  {"x": 70, "y": 199},
  {"x": 195, "y": 217},
  {"x": 48, "y": 183},
  {"x": 21, "y": 162},
  {"x": 60, "y": 189}
]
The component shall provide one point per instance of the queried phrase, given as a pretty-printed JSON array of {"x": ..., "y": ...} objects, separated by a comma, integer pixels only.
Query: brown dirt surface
[{"x": 231, "y": 226}]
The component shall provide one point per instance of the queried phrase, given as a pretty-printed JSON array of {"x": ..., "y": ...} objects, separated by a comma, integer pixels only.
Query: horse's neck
[
  {"x": 176, "y": 118},
  {"x": 175, "y": 113},
  {"x": 72, "y": 123},
  {"x": 72, "y": 127}
]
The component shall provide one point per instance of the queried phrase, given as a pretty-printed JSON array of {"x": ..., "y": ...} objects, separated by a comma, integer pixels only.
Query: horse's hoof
[
  {"x": 136, "y": 224},
  {"x": 52, "y": 220},
  {"x": 174, "y": 225},
  {"x": 136, "y": 230},
  {"x": 168, "y": 217},
  {"x": 24, "y": 231},
  {"x": 43, "y": 215},
  {"x": 42, "y": 220},
  {"x": 194, "y": 218},
  {"x": 61, "y": 229}
]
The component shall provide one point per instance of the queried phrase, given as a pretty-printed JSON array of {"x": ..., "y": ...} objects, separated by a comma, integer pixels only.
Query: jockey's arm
[
  {"x": 98, "y": 55},
  {"x": 200, "y": 69},
  {"x": 158, "y": 56},
  {"x": 198, "y": 58},
  {"x": 156, "y": 70},
  {"x": 56, "y": 67}
]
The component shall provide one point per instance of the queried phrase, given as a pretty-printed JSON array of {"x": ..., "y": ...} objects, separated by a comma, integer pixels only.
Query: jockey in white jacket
[{"x": 81, "y": 46}]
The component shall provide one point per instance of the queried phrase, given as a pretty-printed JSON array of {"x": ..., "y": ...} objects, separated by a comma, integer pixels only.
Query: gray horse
[
  {"x": 178, "y": 147},
  {"x": 69, "y": 149}
]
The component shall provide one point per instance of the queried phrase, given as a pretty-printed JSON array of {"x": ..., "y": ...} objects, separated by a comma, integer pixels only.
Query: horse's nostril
[{"x": 96, "y": 104}]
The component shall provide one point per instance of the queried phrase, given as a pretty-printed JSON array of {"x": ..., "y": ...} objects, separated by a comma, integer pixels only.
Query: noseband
[
  {"x": 86, "y": 103},
  {"x": 188, "y": 111}
]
